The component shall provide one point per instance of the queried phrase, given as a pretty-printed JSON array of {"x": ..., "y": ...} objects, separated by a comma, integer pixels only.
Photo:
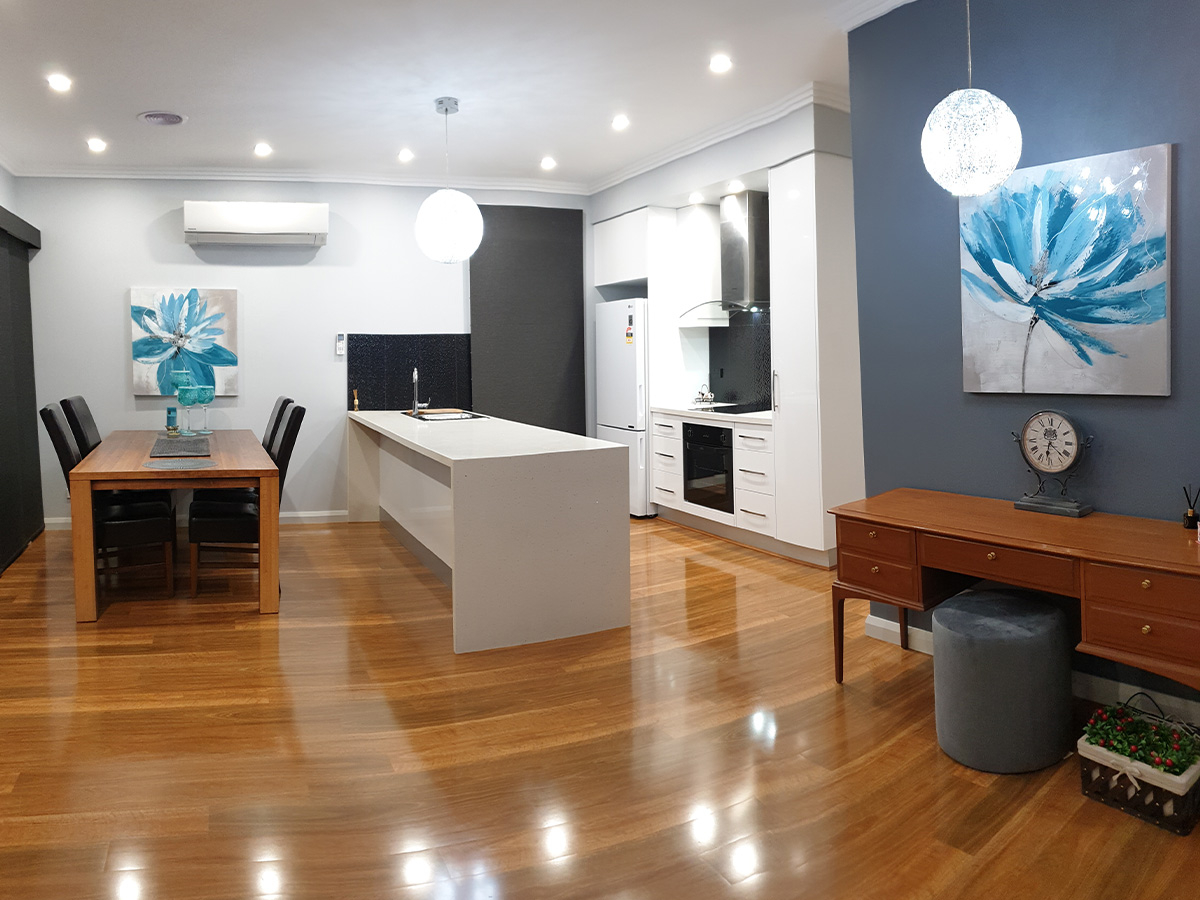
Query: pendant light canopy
[
  {"x": 972, "y": 141},
  {"x": 449, "y": 225}
]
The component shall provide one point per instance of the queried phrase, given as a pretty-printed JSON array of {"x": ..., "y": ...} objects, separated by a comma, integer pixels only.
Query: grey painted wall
[
  {"x": 1082, "y": 78},
  {"x": 8, "y": 189}
]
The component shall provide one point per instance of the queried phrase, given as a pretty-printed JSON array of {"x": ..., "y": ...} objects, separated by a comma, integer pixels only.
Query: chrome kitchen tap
[{"x": 417, "y": 407}]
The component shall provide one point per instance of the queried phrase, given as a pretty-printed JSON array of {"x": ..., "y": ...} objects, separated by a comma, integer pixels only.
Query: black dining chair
[
  {"x": 121, "y": 520},
  {"x": 248, "y": 494},
  {"x": 232, "y": 526},
  {"x": 87, "y": 438}
]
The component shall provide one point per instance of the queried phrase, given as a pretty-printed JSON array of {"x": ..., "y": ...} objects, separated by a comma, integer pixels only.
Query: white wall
[
  {"x": 8, "y": 190},
  {"x": 101, "y": 237}
]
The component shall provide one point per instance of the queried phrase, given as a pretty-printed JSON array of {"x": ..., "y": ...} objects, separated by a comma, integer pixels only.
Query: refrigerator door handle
[{"x": 775, "y": 390}]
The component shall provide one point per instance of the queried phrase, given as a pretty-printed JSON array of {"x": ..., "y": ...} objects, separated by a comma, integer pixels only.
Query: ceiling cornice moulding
[
  {"x": 466, "y": 184},
  {"x": 815, "y": 93},
  {"x": 849, "y": 14}
]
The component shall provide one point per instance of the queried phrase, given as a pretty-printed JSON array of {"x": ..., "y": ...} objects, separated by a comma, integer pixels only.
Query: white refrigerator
[{"x": 622, "y": 391}]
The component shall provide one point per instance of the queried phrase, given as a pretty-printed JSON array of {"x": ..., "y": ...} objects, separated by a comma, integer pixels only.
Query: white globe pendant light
[
  {"x": 449, "y": 225},
  {"x": 971, "y": 142}
]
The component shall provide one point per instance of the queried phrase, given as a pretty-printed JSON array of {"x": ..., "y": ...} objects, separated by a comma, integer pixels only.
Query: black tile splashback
[
  {"x": 380, "y": 367},
  {"x": 739, "y": 359}
]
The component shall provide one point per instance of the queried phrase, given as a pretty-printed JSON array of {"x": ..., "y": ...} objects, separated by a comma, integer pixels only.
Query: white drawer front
[
  {"x": 666, "y": 427},
  {"x": 667, "y": 488},
  {"x": 754, "y": 472},
  {"x": 746, "y": 437},
  {"x": 755, "y": 512},
  {"x": 666, "y": 454}
]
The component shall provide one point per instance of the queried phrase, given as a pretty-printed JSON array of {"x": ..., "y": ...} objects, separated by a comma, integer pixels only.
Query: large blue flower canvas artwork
[
  {"x": 184, "y": 330},
  {"x": 1065, "y": 278}
]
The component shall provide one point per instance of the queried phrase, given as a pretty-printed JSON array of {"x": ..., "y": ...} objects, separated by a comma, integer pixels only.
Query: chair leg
[
  {"x": 169, "y": 563},
  {"x": 195, "y": 569}
]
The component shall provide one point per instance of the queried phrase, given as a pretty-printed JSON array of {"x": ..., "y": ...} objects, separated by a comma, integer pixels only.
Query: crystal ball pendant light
[
  {"x": 971, "y": 142},
  {"x": 449, "y": 225}
]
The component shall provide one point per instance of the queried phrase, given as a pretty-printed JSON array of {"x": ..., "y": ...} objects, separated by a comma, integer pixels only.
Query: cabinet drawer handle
[
  {"x": 991, "y": 554},
  {"x": 752, "y": 472},
  {"x": 750, "y": 437},
  {"x": 1146, "y": 585},
  {"x": 874, "y": 570},
  {"x": 872, "y": 535},
  {"x": 753, "y": 513},
  {"x": 664, "y": 425},
  {"x": 1145, "y": 629},
  {"x": 667, "y": 455},
  {"x": 668, "y": 490}
]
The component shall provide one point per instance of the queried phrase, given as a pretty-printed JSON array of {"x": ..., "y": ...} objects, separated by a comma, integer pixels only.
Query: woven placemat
[
  {"x": 181, "y": 446},
  {"x": 179, "y": 464}
]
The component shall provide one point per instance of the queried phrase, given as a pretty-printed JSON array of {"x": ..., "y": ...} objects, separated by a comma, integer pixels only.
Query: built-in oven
[{"x": 708, "y": 466}]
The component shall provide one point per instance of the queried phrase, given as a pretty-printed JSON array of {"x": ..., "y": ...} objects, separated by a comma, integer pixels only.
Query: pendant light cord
[
  {"x": 446, "y": 115},
  {"x": 968, "y": 44}
]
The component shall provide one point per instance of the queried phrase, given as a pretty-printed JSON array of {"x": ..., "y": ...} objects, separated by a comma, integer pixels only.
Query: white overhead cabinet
[
  {"x": 817, "y": 404},
  {"x": 621, "y": 248}
]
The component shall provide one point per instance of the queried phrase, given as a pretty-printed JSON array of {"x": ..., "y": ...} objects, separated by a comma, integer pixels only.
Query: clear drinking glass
[{"x": 205, "y": 396}]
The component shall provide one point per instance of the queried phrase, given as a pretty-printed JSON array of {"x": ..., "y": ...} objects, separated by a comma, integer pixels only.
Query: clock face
[{"x": 1050, "y": 442}]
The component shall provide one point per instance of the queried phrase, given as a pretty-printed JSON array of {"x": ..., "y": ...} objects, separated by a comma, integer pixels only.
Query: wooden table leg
[
  {"x": 268, "y": 544},
  {"x": 83, "y": 550},
  {"x": 902, "y": 617},
  {"x": 839, "y": 632}
]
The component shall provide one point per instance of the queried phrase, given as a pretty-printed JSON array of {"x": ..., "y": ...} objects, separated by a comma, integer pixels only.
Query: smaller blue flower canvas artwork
[
  {"x": 184, "y": 331},
  {"x": 1065, "y": 278}
]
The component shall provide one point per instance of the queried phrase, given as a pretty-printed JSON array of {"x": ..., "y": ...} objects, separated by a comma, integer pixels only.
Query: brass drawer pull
[
  {"x": 1145, "y": 629},
  {"x": 991, "y": 554},
  {"x": 874, "y": 570},
  {"x": 1146, "y": 584},
  {"x": 872, "y": 534}
]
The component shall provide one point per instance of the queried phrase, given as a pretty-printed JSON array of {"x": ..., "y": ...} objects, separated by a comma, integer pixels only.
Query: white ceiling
[{"x": 338, "y": 88}]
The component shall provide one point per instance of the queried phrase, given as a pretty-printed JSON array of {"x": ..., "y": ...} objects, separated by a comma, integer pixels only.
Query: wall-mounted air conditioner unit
[{"x": 245, "y": 222}]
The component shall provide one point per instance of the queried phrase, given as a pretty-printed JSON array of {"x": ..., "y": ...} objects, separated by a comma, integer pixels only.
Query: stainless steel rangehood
[{"x": 745, "y": 251}]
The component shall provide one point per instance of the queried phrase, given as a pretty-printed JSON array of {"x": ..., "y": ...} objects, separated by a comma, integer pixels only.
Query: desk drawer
[
  {"x": 1173, "y": 595},
  {"x": 879, "y": 576},
  {"x": 877, "y": 540},
  {"x": 1027, "y": 568},
  {"x": 1144, "y": 634}
]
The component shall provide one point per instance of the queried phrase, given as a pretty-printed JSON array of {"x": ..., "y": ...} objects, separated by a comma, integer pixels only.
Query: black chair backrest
[
  {"x": 281, "y": 403},
  {"x": 60, "y": 437},
  {"x": 83, "y": 426},
  {"x": 285, "y": 440}
]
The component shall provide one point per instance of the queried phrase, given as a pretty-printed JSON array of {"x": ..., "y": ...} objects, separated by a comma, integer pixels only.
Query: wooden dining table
[{"x": 118, "y": 463}]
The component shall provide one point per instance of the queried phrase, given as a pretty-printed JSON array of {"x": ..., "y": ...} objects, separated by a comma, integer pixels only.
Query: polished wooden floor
[{"x": 195, "y": 749}]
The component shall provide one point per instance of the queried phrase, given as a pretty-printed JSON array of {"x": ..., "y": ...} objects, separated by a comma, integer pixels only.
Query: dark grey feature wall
[
  {"x": 22, "y": 518},
  {"x": 739, "y": 359},
  {"x": 527, "y": 317},
  {"x": 380, "y": 366},
  {"x": 1082, "y": 78}
]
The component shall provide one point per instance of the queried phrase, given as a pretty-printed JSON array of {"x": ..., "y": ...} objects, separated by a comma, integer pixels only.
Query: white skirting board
[
  {"x": 304, "y": 517},
  {"x": 1089, "y": 687}
]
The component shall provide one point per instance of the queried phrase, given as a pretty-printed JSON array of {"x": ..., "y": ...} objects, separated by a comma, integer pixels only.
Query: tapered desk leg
[
  {"x": 839, "y": 632},
  {"x": 902, "y": 617},
  {"x": 83, "y": 551},
  {"x": 268, "y": 544}
]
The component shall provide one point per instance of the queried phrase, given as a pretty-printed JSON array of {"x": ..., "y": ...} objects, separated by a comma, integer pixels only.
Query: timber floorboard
[{"x": 190, "y": 749}]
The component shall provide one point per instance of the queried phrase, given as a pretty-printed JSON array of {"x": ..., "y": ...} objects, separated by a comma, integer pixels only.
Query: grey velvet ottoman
[{"x": 1002, "y": 680}]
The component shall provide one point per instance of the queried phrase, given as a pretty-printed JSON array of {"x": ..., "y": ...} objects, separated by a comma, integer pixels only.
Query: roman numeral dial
[{"x": 1050, "y": 443}]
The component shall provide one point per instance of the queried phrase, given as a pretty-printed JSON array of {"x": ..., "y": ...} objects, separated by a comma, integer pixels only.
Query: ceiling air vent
[{"x": 159, "y": 117}]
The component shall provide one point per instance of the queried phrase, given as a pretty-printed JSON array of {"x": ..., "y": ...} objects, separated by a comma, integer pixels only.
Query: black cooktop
[{"x": 734, "y": 409}]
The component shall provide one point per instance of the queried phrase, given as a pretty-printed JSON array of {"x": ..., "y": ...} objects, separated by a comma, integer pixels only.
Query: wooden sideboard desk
[{"x": 1137, "y": 580}]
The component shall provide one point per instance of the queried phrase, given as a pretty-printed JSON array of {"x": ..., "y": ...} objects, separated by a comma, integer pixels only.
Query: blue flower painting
[
  {"x": 189, "y": 331},
  {"x": 1065, "y": 274}
]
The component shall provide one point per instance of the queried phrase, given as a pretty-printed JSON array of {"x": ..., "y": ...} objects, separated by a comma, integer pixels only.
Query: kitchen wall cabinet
[
  {"x": 620, "y": 249},
  {"x": 817, "y": 405}
]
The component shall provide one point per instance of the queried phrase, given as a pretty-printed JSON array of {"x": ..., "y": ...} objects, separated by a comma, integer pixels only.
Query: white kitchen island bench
[{"x": 529, "y": 527}]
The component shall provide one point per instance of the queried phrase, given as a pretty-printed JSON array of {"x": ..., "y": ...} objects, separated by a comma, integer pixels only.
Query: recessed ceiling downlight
[
  {"x": 97, "y": 145},
  {"x": 59, "y": 82},
  {"x": 620, "y": 122},
  {"x": 406, "y": 155},
  {"x": 161, "y": 117},
  {"x": 720, "y": 63},
  {"x": 263, "y": 149},
  {"x": 548, "y": 163}
]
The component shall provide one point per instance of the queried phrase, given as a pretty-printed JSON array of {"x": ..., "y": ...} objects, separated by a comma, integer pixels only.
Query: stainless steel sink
[{"x": 446, "y": 416}]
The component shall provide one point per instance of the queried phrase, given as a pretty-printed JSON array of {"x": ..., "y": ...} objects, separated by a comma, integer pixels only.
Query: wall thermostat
[{"x": 339, "y": 346}]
